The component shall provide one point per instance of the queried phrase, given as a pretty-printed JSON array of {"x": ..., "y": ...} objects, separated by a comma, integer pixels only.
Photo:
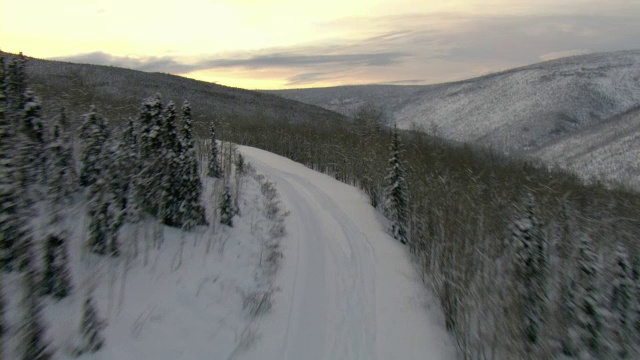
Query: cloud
[
  {"x": 422, "y": 47},
  {"x": 292, "y": 59},
  {"x": 561, "y": 54}
]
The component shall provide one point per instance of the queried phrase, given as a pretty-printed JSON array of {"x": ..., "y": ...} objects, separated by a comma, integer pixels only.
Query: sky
[{"x": 277, "y": 44}]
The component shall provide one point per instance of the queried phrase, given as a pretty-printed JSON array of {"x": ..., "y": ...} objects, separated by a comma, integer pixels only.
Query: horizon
[{"x": 253, "y": 45}]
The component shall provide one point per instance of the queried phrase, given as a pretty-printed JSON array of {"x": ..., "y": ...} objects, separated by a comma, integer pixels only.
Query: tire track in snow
[{"x": 349, "y": 289}]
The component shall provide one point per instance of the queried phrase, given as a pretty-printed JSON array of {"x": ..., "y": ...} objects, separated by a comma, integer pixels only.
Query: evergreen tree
[
  {"x": 94, "y": 136},
  {"x": 56, "y": 279},
  {"x": 570, "y": 337},
  {"x": 32, "y": 146},
  {"x": 226, "y": 208},
  {"x": 133, "y": 204},
  {"x": 636, "y": 283},
  {"x": 396, "y": 191},
  {"x": 171, "y": 174},
  {"x": 621, "y": 297},
  {"x": 91, "y": 327},
  {"x": 240, "y": 165},
  {"x": 214, "y": 170},
  {"x": 15, "y": 85},
  {"x": 34, "y": 345},
  {"x": 59, "y": 164},
  {"x": 531, "y": 268},
  {"x": 151, "y": 154},
  {"x": 588, "y": 300},
  {"x": 10, "y": 221},
  {"x": 103, "y": 232},
  {"x": 2, "y": 307},
  {"x": 191, "y": 210},
  {"x": 119, "y": 173}
]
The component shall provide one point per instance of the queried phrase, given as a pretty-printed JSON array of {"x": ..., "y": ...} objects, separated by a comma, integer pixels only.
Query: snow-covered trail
[{"x": 348, "y": 290}]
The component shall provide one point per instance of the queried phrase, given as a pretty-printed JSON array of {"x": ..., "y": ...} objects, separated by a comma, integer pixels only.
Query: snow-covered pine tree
[
  {"x": 636, "y": 285},
  {"x": 59, "y": 164},
  {"x": 91, "y": 327},
  {"x": 396, "y": 199},
  {"x": 240, "y": 165},
  {"x": 238, "y": 182},
  {"x": 94, "y": 135},
  {"x": 99, "y": 215},
  {"x": 33, "y": 343},
  {"x": 226, "y": 208},
  {"x": 118, "y": 170},
  {"x": 569, "y": 336},
  {"x": 531, "y": 268},
  {"x": 191, "y": 210},
  {"x": 150, "y": 147},
  {"x": 2, "y": 307},
  {"x": 213, "y": 169},
  {"x": 15, "y": 85},
  {"x": 10, "y": 221},
  {"x": 32, "y": 146},
  {"x": 588, "y": 299},
  {"x": 171, "y": 173},
  {"x": 133, "y": 203},
  {"x": 621, "y": 297},
  {"x": 56, "y": 279}
]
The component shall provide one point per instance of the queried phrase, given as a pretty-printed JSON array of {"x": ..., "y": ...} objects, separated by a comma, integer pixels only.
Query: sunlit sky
[{"x": 274, "y": 44}]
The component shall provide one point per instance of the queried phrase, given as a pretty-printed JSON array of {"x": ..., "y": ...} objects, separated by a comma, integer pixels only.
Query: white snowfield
[{"x": 348, "y": 290}]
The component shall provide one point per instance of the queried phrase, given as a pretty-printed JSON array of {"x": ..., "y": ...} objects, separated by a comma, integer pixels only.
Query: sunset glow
[{"x": 286, "y": 43}]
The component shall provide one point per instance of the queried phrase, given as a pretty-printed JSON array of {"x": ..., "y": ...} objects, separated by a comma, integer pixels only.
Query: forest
[{"x": 526, "y": 261}]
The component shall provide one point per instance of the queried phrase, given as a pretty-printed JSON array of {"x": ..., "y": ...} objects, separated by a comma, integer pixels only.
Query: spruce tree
[
  {"x": 588, "y": 299},
  {"x": 133, "y": 203},
  {"x": 226, "y": 208},
  {"x": 213, "y": 169},
  {"x": 636, "y": 285},
  {"x": 34, "y": 345},
  {"x": 94, "y": 136},
  {"x": 570, "y": 336},
  {"x": 103, "y": 231},
  {"x": 621, "y": 297},
  {"x": 97, "y": 175},
  {"x": 171, "y": 173},
  {"x": 150, "y": 145},
  {"x": 91, "y": 327},
  {"x": 118, "y": 170},
  {"x": 240, "y": 165},
  {"x": 15, "y": 85},
  {"x": 56, "y": 279},
  {"x": 10, "y": 221},
  {"x": 2, "y": 307},
  {"x": 191, "y": 210},
  {"x": 59, "y": 164},
  {"x": 531, "y": 267},
  {"x": 32, "y": 146},
  {"x": 396, "y": 191}
]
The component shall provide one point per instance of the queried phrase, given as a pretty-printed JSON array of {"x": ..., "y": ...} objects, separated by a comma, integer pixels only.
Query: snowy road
[{"x": 348, "y": 290}]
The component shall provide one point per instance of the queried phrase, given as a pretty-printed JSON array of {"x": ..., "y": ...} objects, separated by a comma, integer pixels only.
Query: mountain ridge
[{"x": 518, "y": 111}]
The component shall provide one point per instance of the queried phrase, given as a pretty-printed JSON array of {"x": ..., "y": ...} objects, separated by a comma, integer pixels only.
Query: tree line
[
  {"x": 527, "y": 261},
  {"x": 149, "y": 169}
]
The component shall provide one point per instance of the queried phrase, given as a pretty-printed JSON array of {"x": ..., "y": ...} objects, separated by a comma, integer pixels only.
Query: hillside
[
  {"x": 117, "y": 93},
  {"x": 521, "y": 110}
]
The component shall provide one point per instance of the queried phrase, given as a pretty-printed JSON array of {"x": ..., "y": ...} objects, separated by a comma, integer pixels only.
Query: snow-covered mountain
[{"x": 528, "y": 110}]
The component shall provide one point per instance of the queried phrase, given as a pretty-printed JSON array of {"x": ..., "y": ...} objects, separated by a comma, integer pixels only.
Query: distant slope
[
  {"x": 516, "y": 110},
  {"x": 119, "y": 92},
  {"x": 581, "y": 113},
  {"x": 608, "y": 150}
]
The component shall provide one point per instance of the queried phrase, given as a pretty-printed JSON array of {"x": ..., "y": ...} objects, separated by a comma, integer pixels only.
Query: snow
[
  {"x": 349, "y": 291},
  {"x": 345, "y": 288}
]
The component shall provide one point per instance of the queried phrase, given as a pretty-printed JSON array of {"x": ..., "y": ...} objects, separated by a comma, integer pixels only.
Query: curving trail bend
[{"x": 348, "y": 290}]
